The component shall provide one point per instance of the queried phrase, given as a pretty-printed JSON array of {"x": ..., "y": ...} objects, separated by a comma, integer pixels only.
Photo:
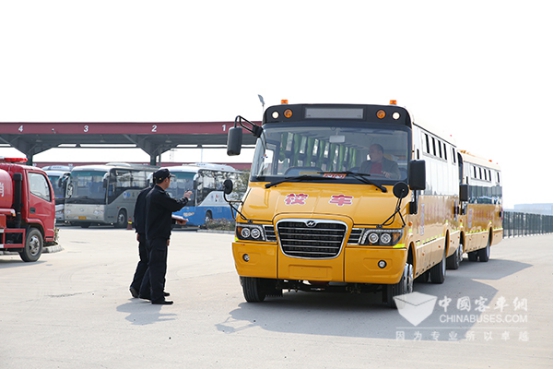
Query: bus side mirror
[
  {"x": 228, "y": 186},
  {"x": 105, "y": 183},
  {"x": 464, "y": 192},
  {"x": 400, "y": 190},
  {"x": 234, "y": 141},
  {"x": 62, "y": 181},
  {"x": 417, "y": 175}
]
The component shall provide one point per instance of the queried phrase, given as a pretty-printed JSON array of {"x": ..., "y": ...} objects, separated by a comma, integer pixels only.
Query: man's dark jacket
[
  {"x": 158, "y": 217},
  {"x": 139, "y": 216}
]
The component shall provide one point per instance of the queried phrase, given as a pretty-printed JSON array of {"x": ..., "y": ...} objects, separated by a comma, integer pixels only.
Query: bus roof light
[
  {"x": 381, "y": 114},
  {"x": 288, "y": 113},
  {"x": 392, "y": 102},
  {"x": 284, "y": 101}
]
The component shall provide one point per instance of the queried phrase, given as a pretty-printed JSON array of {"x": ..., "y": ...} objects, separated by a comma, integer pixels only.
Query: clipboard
[{"x": 178, "y": 217}]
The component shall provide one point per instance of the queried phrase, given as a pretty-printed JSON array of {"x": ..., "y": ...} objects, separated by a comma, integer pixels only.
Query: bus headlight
[
  {"x": 386, "y": 238},
  {"x": 255, "y": 233},
  {"x": 249, "y": 232},
  {"x": 381, "y": 237},
  {"x": 373, "y": 237}
]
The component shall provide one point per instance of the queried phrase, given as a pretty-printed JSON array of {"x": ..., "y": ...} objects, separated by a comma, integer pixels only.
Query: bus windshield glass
[
  {"x": 58, "y": 190},
  {"x": 87, "y": 187},
  {"x": 331, "y": 149},
  {"x": 202, "y": 183},
  {"x": 180, "y": 183}
]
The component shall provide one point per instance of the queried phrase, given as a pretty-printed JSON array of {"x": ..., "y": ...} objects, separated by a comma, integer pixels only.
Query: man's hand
[
  {"x": 188, "y": 194},
  {"x": 181, "y": 222}
]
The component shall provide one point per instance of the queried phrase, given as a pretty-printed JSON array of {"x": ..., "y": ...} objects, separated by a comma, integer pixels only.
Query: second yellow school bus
[
  {"x": 482, "y": 214},
  {"x": 345, "y": 197}
]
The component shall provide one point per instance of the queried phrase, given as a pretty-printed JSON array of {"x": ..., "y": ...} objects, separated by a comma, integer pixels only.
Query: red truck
[{"x": 27, "y": 209}]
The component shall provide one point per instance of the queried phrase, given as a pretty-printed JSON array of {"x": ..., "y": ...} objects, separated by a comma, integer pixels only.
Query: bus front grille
[{"x": 313, "y": 239}]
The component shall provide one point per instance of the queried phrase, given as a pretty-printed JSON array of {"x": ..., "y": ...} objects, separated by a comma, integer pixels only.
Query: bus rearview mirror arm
[
  {"x": 227, "y": 189},
  {"x": 234, "y": 138}
]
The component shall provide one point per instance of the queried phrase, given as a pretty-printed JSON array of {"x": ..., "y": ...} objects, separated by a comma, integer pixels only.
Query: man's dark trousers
[
  {"x": 142, "y": 265},
  {"x": 157, "y": 268}
]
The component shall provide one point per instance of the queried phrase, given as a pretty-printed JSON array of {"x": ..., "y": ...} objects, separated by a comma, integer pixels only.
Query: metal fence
[{"x": 524, "y": 224}]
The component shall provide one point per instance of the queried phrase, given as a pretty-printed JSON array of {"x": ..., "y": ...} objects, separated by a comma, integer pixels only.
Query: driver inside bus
[{"x": 380, "y": 165}]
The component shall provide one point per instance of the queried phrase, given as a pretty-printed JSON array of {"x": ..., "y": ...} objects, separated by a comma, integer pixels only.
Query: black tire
[
  {"x": 404, "y": 286},
  {"x": 252, "y": 288},
  {"x": 33, "y": 246},
  {"x": 85, "y": 225},
  {"x": 121, "y": 219},
  {"x": 484, "y": 254},
  {"x": 454, "y": 260},
  {"x": 473, "y": 256},
  {"x": 207, "y": 219},
  {"x": 438, "y": 272}
]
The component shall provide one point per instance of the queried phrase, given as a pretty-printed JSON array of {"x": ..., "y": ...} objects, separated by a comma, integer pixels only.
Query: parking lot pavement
[{"x": 72, "y": 309}]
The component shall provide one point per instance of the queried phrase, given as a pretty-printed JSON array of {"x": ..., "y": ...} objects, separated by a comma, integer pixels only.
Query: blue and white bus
[{"x": 205, "y": 180}]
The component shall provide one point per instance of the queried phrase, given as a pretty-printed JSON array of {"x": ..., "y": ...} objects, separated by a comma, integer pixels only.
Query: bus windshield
[
  {"x": 182, "y": 182},
  {"x": 58, "y": 190},
  {"x": 202, "y": 183},
  {"x": 326, "y": 147},
  {"x": 87, "y": 187}
]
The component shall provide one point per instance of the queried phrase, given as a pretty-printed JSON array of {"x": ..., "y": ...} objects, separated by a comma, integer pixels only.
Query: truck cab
[{"x": 27, "y": 209}]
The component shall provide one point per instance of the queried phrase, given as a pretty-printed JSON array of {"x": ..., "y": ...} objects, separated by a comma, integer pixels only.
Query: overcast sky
[{"x": 480, "y": 71}]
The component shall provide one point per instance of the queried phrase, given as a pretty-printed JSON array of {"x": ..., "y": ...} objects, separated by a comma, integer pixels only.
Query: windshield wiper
[
  {"x": 305, "y": 177},
  {"x": 362, "y": 177}
]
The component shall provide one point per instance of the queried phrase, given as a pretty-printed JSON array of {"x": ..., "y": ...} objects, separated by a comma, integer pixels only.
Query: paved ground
[{"x": 72, "y": 309}]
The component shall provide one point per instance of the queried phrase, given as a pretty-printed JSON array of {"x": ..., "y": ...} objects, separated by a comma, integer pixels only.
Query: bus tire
[
  {"x": 454, "y": 260},
  {"x": 484, "y": 254},
  {"x": 85, "y": 225},
  {"x": 438, "y": 272},
  {"x": 473, "y": 256},
  {"x": 121, "y": 219},
  {"x": 404, "y": 286},
  {"x": 33, "y": 246},
  {"x": 252, "y": 288}
]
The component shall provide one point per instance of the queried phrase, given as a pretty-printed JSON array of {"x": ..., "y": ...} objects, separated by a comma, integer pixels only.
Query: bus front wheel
[
  {"x": 405, "y": 285},
  {"x": 121, "y": 219},
  {"x": 252, "y": 289}
]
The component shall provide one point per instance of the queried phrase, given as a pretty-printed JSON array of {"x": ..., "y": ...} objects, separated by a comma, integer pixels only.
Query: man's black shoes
[
  {"x": 162, "y": 302},
  {"x": 134, "y": 292}
]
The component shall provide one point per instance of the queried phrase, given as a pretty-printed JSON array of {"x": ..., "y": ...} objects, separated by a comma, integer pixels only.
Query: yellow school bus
[
  {"x": 482, "y": 213},
  {"x": 344, "y": 197}
]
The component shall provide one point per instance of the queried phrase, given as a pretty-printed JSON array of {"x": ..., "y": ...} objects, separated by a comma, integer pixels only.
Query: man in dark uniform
[
  {"x": 139, "y": 217},
  {"x": 159, "y": 207}
]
